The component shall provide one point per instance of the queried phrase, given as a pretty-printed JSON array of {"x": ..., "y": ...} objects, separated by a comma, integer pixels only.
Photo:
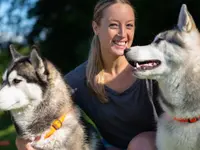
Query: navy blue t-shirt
[{"x": 123, "y": 117}]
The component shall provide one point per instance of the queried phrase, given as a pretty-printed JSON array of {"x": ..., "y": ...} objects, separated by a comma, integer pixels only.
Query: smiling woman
[
  {"x": 111, "y": 96},
  {"x": 114, "y": 32}
]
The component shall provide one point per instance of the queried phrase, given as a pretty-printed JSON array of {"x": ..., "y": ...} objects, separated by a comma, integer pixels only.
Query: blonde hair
[{"x": 95, "y": 66}]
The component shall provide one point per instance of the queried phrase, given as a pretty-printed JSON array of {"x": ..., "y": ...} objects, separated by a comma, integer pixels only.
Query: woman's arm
[{"x": 22, "y": 144}]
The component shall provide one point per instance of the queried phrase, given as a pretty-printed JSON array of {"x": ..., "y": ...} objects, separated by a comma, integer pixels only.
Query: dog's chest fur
[
  {"x": 182, "y": 101},
  {"x": 69, "y": 137},
  {"x": 173, "y": 135}
]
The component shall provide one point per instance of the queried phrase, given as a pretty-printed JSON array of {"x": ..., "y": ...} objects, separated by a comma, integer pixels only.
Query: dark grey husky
[
  {"x": 40, "y": 104},
  {"x": 173, "y": 59}
]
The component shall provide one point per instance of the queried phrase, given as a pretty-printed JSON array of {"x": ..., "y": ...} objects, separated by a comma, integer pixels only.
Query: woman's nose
[{"x": 122, "y": 31}]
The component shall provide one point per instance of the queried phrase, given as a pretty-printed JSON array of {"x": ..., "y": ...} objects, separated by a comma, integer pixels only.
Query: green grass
[{"x": 7, "y": 132}]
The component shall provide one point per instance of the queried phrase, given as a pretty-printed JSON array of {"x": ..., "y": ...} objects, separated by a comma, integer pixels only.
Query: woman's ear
[{"x": 95, "y": 28}]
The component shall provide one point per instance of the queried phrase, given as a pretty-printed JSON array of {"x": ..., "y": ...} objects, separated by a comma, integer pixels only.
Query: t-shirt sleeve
[{"x": 75, "y": 78}]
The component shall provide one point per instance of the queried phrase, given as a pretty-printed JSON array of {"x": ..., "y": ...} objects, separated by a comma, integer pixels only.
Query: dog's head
[
  {"x": 169, "y": 50},
  {"x": 23, "y": 81}
]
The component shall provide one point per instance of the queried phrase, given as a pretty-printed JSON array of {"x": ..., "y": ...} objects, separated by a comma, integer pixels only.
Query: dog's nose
[{"x": 126, "y": 50}]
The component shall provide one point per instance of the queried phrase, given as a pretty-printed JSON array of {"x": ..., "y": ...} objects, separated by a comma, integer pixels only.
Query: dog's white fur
[
  {"x": 176, "y": 66},
  {"x": 14, "y": 97}
]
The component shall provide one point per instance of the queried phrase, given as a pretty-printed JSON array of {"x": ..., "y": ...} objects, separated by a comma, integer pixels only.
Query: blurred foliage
[
  {"x": 154, "y": 16},
  {"x": 7, "y": 132},
  {"x": 67, "y": 26},
  {"x": 13, "y": 22}
]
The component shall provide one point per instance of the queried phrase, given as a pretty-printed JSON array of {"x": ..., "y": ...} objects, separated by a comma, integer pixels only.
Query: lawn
[{"x": 7, "y": 132}]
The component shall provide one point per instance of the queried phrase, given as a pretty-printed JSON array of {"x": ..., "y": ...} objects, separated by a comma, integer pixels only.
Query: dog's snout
[{"x": 126, "y": 50}]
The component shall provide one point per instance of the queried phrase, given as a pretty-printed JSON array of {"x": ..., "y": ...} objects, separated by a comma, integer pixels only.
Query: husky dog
[
  {"x": 173, "y": 59},
  {"x": 39, "y": 101}
]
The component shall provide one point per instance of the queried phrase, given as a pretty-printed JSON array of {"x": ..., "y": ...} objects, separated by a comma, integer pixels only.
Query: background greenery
[{"x": 63, "y": 31}]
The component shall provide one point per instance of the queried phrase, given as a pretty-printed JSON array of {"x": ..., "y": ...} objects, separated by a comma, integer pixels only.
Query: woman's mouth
[{"x": 120, "y": 44}]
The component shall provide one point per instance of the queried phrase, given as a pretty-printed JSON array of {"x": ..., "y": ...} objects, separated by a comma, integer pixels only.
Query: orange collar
[
  {"x": 56, "y": 124},
  {"x": 188, "y": 120}
]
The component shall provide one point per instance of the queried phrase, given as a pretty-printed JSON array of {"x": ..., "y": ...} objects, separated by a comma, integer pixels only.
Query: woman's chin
[{"x": 118, "y": 52}]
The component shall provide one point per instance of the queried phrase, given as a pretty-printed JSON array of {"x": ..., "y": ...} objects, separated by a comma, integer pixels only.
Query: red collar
[{"x": 187, "y": 120}]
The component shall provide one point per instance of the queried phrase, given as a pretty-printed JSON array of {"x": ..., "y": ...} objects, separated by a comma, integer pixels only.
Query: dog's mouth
[{"x": 145, "y": 65}]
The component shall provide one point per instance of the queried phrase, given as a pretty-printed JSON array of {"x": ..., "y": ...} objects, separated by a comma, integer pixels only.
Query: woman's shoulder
[{"x": 76, "y": 75}]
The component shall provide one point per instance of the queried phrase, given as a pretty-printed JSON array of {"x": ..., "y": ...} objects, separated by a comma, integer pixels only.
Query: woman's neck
[
  {"x": 118, "y": 74},
  {"x": 115, "y": 66}
]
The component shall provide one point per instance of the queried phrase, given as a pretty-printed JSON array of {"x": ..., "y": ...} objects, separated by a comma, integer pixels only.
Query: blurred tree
[
  {"x": 154, "y": 16},
  {"x": 63, "y": 30},
  {"x": 13, "y": 22}
]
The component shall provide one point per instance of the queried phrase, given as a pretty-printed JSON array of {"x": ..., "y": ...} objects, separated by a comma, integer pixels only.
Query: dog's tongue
[{"x": 150, "y": 64}]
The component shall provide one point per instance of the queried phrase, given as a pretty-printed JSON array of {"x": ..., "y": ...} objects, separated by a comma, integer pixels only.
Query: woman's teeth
[{"x": 120, "y": 43}]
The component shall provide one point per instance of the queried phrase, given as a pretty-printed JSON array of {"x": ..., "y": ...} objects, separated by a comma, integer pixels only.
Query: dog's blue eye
[{"x": 16, "y": 81}]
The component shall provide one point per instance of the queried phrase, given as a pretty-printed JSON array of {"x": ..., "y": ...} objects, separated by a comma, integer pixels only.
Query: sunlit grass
[{"x": 7, "y": 132}]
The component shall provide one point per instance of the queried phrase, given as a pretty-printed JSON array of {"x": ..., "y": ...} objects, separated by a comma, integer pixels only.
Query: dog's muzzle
[{"x": 126, "y": 50}]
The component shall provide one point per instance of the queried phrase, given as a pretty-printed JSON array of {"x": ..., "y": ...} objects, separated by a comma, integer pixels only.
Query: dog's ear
[
  {"x": 15, "y": 55},
  {"x": 185, "y": 20},
  {"x": 37, "y": 63}
]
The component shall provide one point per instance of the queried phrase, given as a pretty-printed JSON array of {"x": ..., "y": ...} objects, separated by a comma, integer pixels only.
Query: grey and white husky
[
  {"x": 40, "y": 104},
  {"x": 173, "y": 59}
]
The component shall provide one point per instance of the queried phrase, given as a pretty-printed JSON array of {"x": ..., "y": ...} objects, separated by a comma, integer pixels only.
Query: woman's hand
[{"x": 22, "y": 144}]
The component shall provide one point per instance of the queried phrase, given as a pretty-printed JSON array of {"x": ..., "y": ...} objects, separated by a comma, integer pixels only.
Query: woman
[{"x": 104, "y": 87}]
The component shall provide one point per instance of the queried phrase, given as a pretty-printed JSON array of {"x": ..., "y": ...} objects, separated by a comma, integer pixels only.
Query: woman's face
[{"x": 116, "y": 29}]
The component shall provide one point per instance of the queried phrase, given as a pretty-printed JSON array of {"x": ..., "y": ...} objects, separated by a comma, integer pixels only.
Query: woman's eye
[
  {"x": 113, "y": 25},
  {"x": 130, "y": 26},
  {"x": 16, "y": 81}
]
